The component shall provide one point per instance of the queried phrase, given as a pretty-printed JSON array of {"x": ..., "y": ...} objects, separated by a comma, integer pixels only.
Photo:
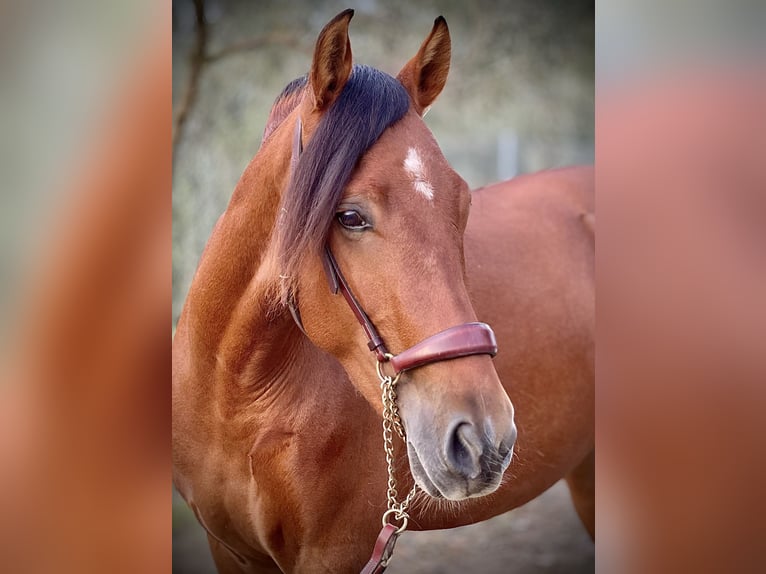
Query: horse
[{"x": 348, "y": 238}]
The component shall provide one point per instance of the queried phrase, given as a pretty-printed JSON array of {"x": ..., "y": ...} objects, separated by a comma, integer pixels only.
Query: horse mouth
[
  {"x": 420, "y": 475},
  {"x": 441, "y": 483}
]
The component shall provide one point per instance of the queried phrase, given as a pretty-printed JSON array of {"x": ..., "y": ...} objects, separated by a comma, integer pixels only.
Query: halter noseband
[{"x": 458, "y": 341}]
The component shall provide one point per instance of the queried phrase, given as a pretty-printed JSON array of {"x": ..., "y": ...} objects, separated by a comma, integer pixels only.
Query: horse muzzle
[{"x": 469, "y": 461}]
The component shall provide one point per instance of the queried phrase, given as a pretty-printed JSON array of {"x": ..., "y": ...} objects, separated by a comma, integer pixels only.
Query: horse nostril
[{"x": 464, "y": 450}]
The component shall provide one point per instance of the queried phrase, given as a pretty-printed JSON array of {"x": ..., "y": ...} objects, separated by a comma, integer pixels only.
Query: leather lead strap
[{"x": 381, "y": 554}]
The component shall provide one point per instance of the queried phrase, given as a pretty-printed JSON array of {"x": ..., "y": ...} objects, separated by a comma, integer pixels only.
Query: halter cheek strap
[
  {"x": 338, "y": 281},
  {"x": 458, "y": 341}
]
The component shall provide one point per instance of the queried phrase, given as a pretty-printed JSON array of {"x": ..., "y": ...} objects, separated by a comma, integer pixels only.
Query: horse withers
[{"x": 349, "y": 233}]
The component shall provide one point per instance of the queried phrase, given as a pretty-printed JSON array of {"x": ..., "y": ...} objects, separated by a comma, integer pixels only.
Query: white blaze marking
[{"x": 413, "y": 165}]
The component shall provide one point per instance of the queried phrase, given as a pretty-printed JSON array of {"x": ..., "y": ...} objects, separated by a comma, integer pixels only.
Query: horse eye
[{"x": 351, "y": 219}]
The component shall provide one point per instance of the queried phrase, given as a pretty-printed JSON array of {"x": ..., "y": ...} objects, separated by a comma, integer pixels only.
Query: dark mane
[
  {"x": 371, "y": 101},
  {"x": 284, "y": 104}
]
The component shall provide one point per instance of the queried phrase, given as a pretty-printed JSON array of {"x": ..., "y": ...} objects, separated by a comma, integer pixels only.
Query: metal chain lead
[{"x": 391, "y": 422}]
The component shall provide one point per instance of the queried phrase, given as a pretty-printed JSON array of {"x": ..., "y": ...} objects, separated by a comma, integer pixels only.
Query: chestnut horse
[{"x": 277, "y": 418}]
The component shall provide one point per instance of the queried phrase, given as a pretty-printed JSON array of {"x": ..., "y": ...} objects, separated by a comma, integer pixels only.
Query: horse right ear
[
  {"x": 331, "y": 66},
  {"x": 425, "y": 74}
]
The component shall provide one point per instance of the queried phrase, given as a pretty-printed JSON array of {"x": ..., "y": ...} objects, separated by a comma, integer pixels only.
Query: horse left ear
[
  {"x": 424, "y": 75},
  {"x": 331, "y": 66}
]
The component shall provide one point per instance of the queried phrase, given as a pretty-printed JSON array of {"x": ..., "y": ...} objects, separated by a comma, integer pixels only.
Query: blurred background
[{"x": 519, "y": 98}]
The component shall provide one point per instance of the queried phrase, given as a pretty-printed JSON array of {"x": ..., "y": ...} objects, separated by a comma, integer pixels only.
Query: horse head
[{"x": 370, "y": 184}]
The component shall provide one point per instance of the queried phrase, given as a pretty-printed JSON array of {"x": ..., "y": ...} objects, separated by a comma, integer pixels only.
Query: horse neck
[{"x": 231, "y": 324}]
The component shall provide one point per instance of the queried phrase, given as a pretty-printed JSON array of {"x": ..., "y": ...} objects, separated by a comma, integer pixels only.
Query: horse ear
[
  {"x": 424, "y": 75},
  {"x": 331, "y": 66}
]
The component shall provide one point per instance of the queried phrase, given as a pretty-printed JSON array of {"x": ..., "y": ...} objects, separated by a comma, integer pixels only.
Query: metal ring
[
  {"x": 380, "y": 372},
  {"x": 383, "y": 377},
  {"x": 404, "y": 518}
]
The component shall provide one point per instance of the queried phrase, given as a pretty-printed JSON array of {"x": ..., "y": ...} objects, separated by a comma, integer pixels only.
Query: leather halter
[{"x": 458, "y": 341}]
